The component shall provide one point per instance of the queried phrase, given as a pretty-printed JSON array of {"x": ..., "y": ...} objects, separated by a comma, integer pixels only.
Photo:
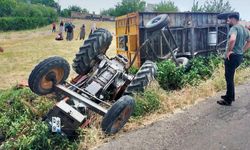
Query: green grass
[{"x": 22, "y": 127}]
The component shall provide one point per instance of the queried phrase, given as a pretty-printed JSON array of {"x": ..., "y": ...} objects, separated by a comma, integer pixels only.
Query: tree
[
  {"x": 7, "y": 7},
  {"x": 50, "y": 3},
  {"x": 125, "y": 7},
  {"x": 217, "y": 6},
  {"x": 196, "y": 7},
  {"x": 67, "y": 11},
  {"x": 166, "y": 6},
  {"x": 108, "y": 12}
]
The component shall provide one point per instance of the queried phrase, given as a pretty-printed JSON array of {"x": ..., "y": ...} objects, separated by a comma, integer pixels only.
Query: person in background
[
  {"x": 238, "y": 42},
  {"x": 248, "y": 27},
  {"x": 59, "y": 37},
  {"x": 1, "y": 49},
  {"x": 93, "y": 28},
  {"x": 70, "y": 31},
  {"x": 65, "y": 25},
  {"x": 82, "y": 32},
  {"x": 53, "y": 27}
]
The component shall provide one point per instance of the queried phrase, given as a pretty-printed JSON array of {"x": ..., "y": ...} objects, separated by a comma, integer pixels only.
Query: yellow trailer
[{"x": 191, "y": 32}]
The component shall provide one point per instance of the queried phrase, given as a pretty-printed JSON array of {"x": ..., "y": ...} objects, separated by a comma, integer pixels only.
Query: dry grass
[{"x": 24, "y": 49}]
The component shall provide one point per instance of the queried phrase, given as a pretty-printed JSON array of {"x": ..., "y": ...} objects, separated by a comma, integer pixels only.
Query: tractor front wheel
[
  {"x": 49, "y": 72},
  {"x": 118, "y": 115}
]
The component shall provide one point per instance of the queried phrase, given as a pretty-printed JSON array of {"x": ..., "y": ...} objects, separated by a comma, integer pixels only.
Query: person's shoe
[
  {"x": 224, "y": 97},
  {"x": 224, "y": 103}
]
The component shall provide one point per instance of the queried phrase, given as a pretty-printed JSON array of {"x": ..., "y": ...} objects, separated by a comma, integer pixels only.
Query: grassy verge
[{"x": 24, "y": 130}]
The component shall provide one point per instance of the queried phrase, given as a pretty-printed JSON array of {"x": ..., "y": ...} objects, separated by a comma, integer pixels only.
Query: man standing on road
[{"x": 238, "y": 42}]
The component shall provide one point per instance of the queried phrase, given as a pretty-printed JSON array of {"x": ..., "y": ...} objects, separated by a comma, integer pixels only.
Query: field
[{"x": 24, "y": 49}]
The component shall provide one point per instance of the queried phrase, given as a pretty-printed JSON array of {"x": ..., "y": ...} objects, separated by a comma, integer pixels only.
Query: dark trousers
[{"x": 230, "y": 67}]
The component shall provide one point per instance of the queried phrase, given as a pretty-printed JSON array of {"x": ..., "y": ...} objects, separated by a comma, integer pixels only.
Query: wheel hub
[{"x": 53, "y": 77}]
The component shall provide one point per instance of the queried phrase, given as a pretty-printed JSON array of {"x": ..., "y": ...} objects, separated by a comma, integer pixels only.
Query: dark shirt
[{"x": 69, "y": 28}]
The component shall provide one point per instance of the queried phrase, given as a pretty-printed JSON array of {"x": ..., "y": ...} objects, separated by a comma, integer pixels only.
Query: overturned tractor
[{"x": 103, "y": 86}]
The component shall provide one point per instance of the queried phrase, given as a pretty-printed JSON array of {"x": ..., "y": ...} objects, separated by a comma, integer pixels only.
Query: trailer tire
[
  {"x": 157, "y": 23},
  {"x": 48, "y": 73},
  {"x": 2, "y": 138},
  {"x": 146, "y": 73},
  {"x": 118, "y": 115},
  {"x": 182, "y": 61}
]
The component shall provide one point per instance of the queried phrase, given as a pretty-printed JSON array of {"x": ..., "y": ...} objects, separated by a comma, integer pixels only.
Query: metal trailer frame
[{"x": 189, "y": 30}]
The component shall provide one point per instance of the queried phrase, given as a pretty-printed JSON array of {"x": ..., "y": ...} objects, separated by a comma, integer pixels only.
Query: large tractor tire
[
  {"x": 157, "y": 23},
  {"x": 118, "y": 115},
  {"x": 97, "y": 44},
  {"x": 47, "y": 74},
  {"x": 146, "y": 73}
]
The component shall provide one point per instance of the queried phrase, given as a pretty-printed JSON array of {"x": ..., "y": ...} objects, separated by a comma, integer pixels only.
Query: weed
[
  {"x": 133, "y": 70},
  {"x": 20, "y": 126},
  {"x": 146, "y": 102}
]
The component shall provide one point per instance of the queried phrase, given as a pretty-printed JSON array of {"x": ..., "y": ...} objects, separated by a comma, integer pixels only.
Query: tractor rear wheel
[
  {"x": 146, "y": 73},
  {"x": 48, "y": 73},
  {"x": 97, "y": 44},
  {"x": 118, "y": 115}
]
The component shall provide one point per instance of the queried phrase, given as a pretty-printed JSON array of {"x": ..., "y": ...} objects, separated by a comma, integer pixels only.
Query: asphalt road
[{"x": 205, "y": 126}]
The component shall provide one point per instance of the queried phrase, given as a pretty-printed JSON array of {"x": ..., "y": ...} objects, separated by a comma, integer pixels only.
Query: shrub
[
  {"x": 22, "y": 129},
  {"x": 7, "y": 7},
  {"x": 21, "y": 23},
  {"x": 171, "y": 77},
  {"x": 16, "y": 15},
  {"x": 133, "y": 70},
  {"x": 246, "y": 60},
  {"x": 146, "y": 102}
]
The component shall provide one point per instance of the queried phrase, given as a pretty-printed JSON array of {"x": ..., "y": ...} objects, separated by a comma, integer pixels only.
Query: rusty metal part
[
  {"x": 92, "y": 105},
  {"x": 47, "y": 83},
  {"x": 120, "y": 119}
]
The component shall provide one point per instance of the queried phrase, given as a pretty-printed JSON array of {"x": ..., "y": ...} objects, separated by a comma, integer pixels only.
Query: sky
[{"x": 242, "y": 6}]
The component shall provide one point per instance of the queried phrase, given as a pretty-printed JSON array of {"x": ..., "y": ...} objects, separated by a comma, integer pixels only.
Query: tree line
[
  {"x": 27, "y": 14},
  {"x": 128, "y": 6},
  {"x": 22, "y": 14}
]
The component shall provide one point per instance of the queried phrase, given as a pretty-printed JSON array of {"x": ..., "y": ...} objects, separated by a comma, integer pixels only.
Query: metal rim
[
  {"x": 156, "y": 20},
  {"x": 48, "y": 84},
  {"x": 124, "y": 115}
]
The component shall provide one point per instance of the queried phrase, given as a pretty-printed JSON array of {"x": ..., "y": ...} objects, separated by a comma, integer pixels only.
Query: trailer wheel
[
  {"x": 118, "y": 115},
  {"x": 96, "y": 44},
  {"x": 183, "y": 61},
  {"x": 49, "y": 72},
  {"x": 157, "y": 23},
  {"x": 2, "y": 138},
  {"x": 146, "y": 73}
]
